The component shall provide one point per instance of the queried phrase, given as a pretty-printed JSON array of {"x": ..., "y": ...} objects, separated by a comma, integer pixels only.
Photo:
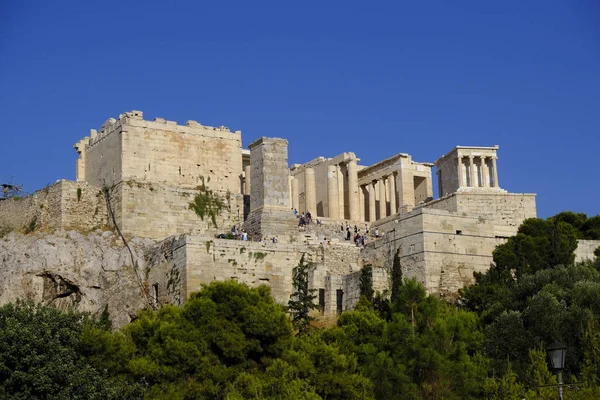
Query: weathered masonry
[{"x": 142, "y": 176}]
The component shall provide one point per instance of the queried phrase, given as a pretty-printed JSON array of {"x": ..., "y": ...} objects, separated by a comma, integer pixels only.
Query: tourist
[{"x": 376, "y": 232}]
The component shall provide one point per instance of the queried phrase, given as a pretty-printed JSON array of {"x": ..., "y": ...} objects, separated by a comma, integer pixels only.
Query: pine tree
[
  {"x": 302, "y": 299},
  {"x": 396, "y": 276},
  {"x": 366, "y": 282}
]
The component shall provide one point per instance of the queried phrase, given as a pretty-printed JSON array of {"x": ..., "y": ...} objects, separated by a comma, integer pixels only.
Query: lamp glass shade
[{"x": 556, "y": 352}]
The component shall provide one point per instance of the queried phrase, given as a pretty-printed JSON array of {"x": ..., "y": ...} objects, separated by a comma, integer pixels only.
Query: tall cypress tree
[
  {"x": 396, "y": 276},
  {"x": 301, "y": 301}
]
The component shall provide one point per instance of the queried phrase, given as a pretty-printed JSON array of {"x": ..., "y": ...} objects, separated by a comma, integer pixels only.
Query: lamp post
[{"x": 556, "y": 352}]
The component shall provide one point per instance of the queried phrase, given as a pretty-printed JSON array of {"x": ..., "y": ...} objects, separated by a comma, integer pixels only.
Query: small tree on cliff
[{"x": 302, "y": 299}]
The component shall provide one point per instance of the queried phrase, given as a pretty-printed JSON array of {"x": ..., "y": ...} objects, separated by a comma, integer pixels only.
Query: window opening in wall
[
  {"x": 458, "y": 232},
  {"x": 322, "y": 300},
  {"x": 155, "y": 295},
  {"x": 339, "y": 294}
]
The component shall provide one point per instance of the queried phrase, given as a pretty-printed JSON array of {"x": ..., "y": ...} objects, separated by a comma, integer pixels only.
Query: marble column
[
  {"x": 372, "y": 215},
  {"x": 459, "y": 166},
  {"x": 382, "y": 198},
  {"x": 393, "y": 209},
  {"x": 333, "y": 201},
  {"x": 295, "y": 194},
  {"x": 472, "y": 176},
  {"x": 361, "y": 203},
  {"x": 353, "y": 190},
  {"x": 485, "y": 176},
  {"x": 247, "y": 180},
  {"x": 495, "y": 171},
  {"x": 310, "y": 192}
]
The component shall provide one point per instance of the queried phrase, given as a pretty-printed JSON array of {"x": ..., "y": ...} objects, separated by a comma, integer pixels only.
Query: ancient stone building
[{"x": 142, "y": 176}]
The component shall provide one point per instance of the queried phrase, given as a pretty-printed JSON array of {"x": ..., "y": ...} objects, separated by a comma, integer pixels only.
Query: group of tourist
[
  {"x": 360, "y": 238},
  {"x": 243, "y": 235},
  {"x": 305, "y": 219}
]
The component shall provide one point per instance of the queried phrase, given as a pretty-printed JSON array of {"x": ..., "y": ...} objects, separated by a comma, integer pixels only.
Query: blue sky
[{"x": 376, "y": 78}]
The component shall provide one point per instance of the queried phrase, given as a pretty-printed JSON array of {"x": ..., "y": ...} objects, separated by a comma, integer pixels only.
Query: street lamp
[{"x": 556, "y": 352}]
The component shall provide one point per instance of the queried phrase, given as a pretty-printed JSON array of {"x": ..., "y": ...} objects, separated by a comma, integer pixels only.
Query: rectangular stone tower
[{"x": 270, "y": 208}]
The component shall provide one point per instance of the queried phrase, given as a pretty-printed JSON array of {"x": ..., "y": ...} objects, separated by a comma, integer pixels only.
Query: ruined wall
[
  {"x": 198, "y": 260},
  {"x": 155, "y": 168},
  {"x": 585, "y": 250},
  {"x": 104, "y": 156},
  {"x": 507, "y": 210},
  {"x": 162, "y": 151},
  {"x": 157, "y": 210},
  {"x": 130, "y": 148},
  {"x": 444, "y": 242},
  {"x": 63, "y": 205}
]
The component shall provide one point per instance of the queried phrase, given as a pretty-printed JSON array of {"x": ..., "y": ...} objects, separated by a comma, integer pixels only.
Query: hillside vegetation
[{"x": 230, "y": 341}]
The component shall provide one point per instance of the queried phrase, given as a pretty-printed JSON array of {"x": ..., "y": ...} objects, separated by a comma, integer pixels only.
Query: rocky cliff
[{"x": 71, "y": 269}]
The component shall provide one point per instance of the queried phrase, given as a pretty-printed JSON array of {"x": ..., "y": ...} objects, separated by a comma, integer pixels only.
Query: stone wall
[
  {"x": 445, "y": 241},
  {"x": 199, "y": 260},
  {"x": 160, "y": 151},
  {"x": 585, "y": 250},
  {"x": 63, "y": 205},
  {"x": 157, "y": 210}
]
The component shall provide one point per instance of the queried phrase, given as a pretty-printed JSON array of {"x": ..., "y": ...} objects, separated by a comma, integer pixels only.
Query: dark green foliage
[
  {"x": 41, "y": 356},
  {"x": 396, "y": 275},
  {"x": 551, "y": 304},
  {"x": 32, "y": 225},
  {"x": 78, "y": 194},
  {"x": 539, "y": 244},
  {"x": 302, "y": 300},
  {"x": 586, "y": 228},
  {"x": 366, "y": 282},
  {"x": 207, "y": 204},
  {"x": 427, "y": 349}
]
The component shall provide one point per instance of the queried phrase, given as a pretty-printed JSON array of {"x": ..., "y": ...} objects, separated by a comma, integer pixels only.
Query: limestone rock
[{"x": 85, "y": 271}]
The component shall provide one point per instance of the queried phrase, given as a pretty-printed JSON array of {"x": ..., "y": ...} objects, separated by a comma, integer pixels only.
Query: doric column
[
  {"x": 495, "y": 168},
  {"x": 361, "y": 203},
  {"x": 247, "y": 180},
  {"x": 382, "y": 198},
  {"x": 461, "y": 181},
  {"x": 392, "y": 181},
  {"x": 372, "y": 215},
  {"x": 333, "y": 202},
  {"x": 353, "y": 190},
  {"x": 295, "y": 194},
  {"x": 473, "y": 179},
  {"x": 310, "y": 191}
]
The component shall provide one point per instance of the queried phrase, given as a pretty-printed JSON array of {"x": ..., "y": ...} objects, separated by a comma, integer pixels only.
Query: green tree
[
  {"x": 41, "y": 356},
  {"x": 366, "y": 282},
  {"x": 396, "y": 276},
  {"x": 302, "y": 300},
  {"x": 539, "y": 244}
]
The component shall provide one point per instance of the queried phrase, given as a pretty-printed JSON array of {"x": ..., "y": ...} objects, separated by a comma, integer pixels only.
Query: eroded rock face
[{"x": 70, "y": 269}]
